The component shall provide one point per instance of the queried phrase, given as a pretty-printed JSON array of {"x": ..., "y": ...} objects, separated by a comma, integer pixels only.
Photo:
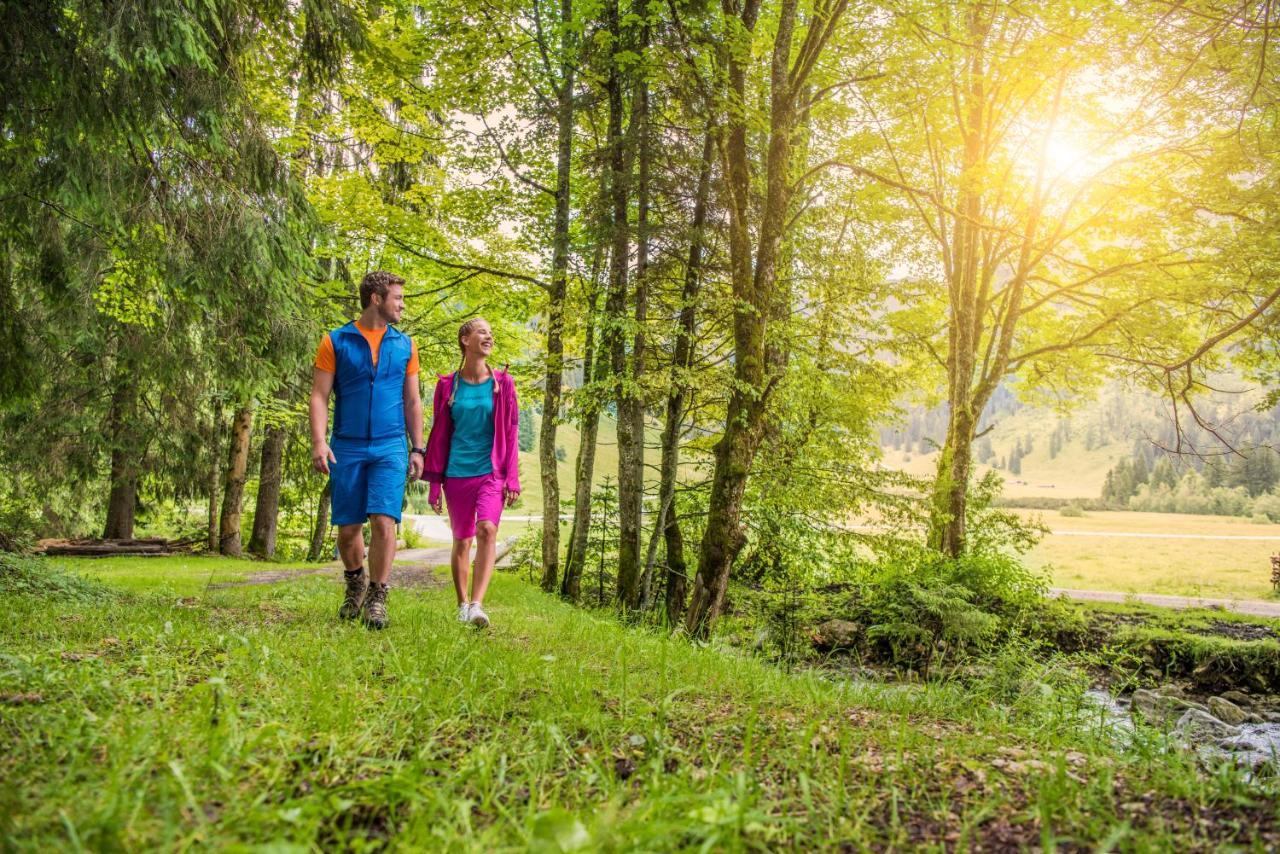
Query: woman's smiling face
[{"x": 479, "y": 340}]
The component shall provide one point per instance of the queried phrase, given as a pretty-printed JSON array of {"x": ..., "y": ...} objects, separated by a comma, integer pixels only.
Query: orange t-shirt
[{"x": 326, "y": 361}]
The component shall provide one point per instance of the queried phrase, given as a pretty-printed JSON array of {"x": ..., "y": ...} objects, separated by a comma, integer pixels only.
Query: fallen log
[{"x": 110, "y": 547}]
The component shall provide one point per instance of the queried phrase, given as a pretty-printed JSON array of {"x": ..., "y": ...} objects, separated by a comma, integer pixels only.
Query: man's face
[{"x": 392, "y": 305}]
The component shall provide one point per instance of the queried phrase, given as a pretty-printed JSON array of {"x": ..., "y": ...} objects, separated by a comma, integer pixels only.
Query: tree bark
[
  {"x": 753, "y": 284},
  {"x": 123, "y": 497},
  {"x": 213, "y": 477},
  {"x": 633, "y": 505},
  {"x": 233, "y": 483},
  {"x": 969, "y": 276},
  {"x": 584, "y": 473},
  {"x": 951, "y": 485},
  {"x": 555, "y": 311},
  {"x": 122, "y": 501},
  {"x": 262, "y": 542},
  {"x": 667, "y": 524},
  {"x": 629, "y": 490},
  {"x": 316, "y": 551},
  {"x": 677, "y": 585}
]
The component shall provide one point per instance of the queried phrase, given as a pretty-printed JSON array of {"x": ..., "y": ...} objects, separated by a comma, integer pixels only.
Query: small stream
[{"x": 1252, "y": 743}]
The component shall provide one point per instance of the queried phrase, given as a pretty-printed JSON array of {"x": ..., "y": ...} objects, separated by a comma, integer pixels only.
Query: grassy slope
[
  {"x": 252, "y": 716},
  {"x": 1073, "y": 473}
]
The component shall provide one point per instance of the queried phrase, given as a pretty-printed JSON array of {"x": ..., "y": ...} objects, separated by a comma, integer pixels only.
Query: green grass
[
  {"x": 184, "y": 575},
  {"x": 132, "y": 721},
  {"x": 1215, "y": 568},
  {"x": 1197, "y": 568}
]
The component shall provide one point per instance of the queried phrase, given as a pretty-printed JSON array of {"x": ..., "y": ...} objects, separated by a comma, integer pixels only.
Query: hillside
[
  {"x": 189, "y": 714},
  {"x": 1090, "y": 438}
]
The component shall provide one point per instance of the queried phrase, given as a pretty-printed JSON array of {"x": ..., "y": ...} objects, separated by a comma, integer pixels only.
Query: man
[{"x": 373, "y": 368}]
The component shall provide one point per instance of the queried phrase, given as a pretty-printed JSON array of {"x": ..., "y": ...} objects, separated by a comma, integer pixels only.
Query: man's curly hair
[{"x": 377, "y": 282}]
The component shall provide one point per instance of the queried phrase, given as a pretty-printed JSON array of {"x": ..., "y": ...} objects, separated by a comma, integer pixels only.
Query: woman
[{"x": 473, "y": 452}]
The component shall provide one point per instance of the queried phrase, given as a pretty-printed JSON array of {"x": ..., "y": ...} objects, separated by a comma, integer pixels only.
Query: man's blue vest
[{"x": 369, "y": 404}]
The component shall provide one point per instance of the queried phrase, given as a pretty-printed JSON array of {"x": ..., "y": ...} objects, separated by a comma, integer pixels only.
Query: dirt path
[
  {"x": 413, "y": 568},
  {"x": 419, "y": 573},
  {"x": 1252, "y": 607}
]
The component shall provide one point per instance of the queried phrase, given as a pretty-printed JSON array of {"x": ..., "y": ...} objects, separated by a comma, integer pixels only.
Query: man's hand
[
  {"x": 437, "y": 503},
  {"x": 415, "y": 466},
  {"x": 321, "y": 456},
  {"x": 511, "y": 496}
]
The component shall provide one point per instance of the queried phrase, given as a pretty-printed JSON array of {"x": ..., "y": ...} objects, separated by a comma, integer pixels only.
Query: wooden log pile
[{"x": 104, "y": 548}]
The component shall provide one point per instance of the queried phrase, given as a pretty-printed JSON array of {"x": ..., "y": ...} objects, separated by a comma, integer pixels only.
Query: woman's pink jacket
[{"x": 506, "y": 426}]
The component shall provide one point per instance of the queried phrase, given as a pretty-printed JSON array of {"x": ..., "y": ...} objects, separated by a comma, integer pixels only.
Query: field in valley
[{"x": 1180, "y": 555}]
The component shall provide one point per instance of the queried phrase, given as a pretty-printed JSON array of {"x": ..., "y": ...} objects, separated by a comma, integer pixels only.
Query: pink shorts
[{"x": 471, "y": 500}]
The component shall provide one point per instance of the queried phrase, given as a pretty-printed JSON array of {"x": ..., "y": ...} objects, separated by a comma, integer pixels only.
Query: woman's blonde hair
[{"x": 463, "y": 331}]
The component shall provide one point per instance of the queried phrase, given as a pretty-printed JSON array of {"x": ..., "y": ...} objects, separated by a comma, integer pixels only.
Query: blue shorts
[{"x": 368, "y": 478}]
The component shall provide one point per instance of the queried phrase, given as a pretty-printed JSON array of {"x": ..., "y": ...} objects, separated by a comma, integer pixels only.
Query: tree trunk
[
  {"x": 667, "y": 525},
  {"x": 555, "y": 313},
  {"x": 634, "y": 412},
  {"x": 233, "y": 483},
  {"x": 668, "y": 521},
  {"x": 122, "y": 501},
  {"x": 584, "y": 472},
  {"x": 968, "y": 280},
  {"x": 754, "y": 290},
  {"x": 951, "y": 486},
  {"x": 316, "y": 551},
  {"x": 267, "y": 509},
  {"x": 213, "y": 475},
  {"x": 677, "y": 585},
  {"x": 629, "y": 490}
]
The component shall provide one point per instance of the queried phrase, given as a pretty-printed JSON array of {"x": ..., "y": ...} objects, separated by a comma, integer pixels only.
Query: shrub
[
  {"x": 1074, "y": 510},
  {"x": 1267, "y": 505},
  {"x": 413, "y": 539},
  {"x": 19, "y": 523},
  {"x": 918, "y": 623},
  {"x": 526, "y": 553},
  {"x": 416, "y": 496},
  {"x": 30, "y": 576},
  {"x": 1046, "y": 502},
  {"x": 922, "y": 609}
]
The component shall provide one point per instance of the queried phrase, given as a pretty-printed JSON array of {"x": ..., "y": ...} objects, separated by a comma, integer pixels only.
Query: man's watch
[{"x": 422, "y": 451}]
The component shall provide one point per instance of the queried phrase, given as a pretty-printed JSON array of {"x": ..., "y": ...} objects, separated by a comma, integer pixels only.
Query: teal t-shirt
[{"x": 471, "y": 449}]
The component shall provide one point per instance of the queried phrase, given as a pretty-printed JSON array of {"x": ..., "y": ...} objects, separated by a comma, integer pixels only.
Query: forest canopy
[{"x": 733, "y": 240}]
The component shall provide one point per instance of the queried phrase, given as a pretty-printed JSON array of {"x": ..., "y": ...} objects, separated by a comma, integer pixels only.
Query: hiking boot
[
  {"x": 357, "y": 586},
  {"x": 477, "y": 617},
  {"x": 375, "y": 606}
]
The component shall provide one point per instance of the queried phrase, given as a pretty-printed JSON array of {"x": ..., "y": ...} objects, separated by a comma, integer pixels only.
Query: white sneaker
[
  {"x": 464, "y": 612},
  {"x": 478, "y": 617}
]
